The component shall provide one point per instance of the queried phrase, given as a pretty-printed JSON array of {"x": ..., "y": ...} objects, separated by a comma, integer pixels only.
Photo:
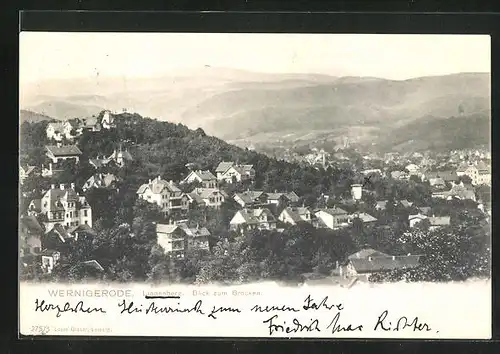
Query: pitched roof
[
  {"x": 101, "y": 180},
  {"x": 334, "y": 211},
  {"x": 28, "y": 169},
  {"x": 205, "y": 175},
  {"x": 417, "y": 216},
  {"x": 440, "y": 220},
  {"x": 249, "y": 196},
  {"x": 397, "y": 174},
  {"x": 98, "y": 162},
  {"x": 124, "y": 154},
  {"x": 463, "y": 167},
  {"x": 37, "y": 203},
  {"x": 382, "y": 203},
  {"x": 61, "y": 232},
  {"x": 274, "y": 196},
  {"x": 56, "y": 195},
  {"x": 367, "y": 252},
  {"x": 296, "y": 212},
  {"x": 82, "y": 228},
  {"x": 205, "y": 193},
  {"x": 195, "y": 231},
  {"x": 405, "y": 203},
  {"x": 251, "y": 215},
  {"x": 195, "y": 197},
  {"x": 378, "y": 264},
  {"x": 482, "y": 166},
  {"x": 87, "y": 122},
  {"x": 31, "y": 223},
  {"x": 166, "y": 228},
  {"x": 58, "y": 126},
  {"x": 157, "y": 186},
  {"x": 292, "y": 196},
  {"x": 365, "y": 217},
  {"x": 448, "y": 175},
  {"x": 436, "y": 181},
  {"x": 92, "y": 264},
  {"x": 425, "y": 210},
  {"x": 224, "y": 166},
  {"x": 462, "y": 192},
  {"x": 65, "y": 150}
]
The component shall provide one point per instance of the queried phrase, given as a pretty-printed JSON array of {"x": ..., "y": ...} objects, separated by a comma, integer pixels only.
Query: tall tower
[{"x": 356, "y": 191}]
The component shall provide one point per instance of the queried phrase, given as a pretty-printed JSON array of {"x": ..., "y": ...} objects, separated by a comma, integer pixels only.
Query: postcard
[{"x": 231, "y": 185}]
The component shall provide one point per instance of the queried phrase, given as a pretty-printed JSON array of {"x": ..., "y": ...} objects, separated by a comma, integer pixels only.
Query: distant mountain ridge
[{"x": 236, "y": 104}]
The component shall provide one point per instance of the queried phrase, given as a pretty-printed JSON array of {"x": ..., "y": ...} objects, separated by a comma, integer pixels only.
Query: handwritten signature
[{"x": 400, "y": 323}]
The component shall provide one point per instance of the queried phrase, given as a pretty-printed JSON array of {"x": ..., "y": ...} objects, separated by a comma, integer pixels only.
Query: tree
[{"x": 452, "y": 253}]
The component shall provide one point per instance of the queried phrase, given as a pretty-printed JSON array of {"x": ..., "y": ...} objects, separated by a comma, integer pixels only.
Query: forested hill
[
  {"x": 162, "y": 148},
  {"x": 460, "y": 132}
]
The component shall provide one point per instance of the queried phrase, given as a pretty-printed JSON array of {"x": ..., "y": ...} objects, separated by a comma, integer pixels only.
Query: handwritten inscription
[
  {"x": 314, "y": 315},
  {"x": 67, "y": 307}
]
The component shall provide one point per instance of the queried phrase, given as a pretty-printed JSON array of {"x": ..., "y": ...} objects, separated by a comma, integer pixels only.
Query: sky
[{"x": 59, "y": 55}]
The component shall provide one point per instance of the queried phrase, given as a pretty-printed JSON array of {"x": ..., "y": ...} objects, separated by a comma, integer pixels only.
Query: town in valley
[{"x": 120, "y": 197}]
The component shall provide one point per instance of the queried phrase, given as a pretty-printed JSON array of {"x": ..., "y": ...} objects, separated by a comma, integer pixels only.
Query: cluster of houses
[
  {"x": 62, "y": 216},
  {"x": 58, "y": 131}
]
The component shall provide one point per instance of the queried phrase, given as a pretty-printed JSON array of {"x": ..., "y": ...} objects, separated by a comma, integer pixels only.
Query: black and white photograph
[{"x": 186, "y": 160}]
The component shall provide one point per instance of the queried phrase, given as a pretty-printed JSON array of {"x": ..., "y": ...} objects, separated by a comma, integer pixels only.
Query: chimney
[
  {"x": 393, "y": 258},
  {"x": 149, "y": 181},
  {"x": 61, "y": 186},
  {"x": 50, "y": 166},
  {"x": 52, "y": 186}
]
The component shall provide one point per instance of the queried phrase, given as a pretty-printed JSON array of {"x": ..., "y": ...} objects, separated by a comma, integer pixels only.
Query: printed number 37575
[{"x": 42, "y": 330}]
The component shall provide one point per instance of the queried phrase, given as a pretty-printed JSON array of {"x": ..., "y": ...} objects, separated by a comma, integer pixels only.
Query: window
[
  {"x": 76, "y": 223},
  {"x": 86, "y": 223},
  {"x": 85, "y": 213}
]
